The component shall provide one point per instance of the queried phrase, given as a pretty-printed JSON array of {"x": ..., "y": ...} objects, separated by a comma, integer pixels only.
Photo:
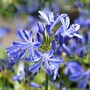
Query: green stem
[{"x": 46, "y": 86}]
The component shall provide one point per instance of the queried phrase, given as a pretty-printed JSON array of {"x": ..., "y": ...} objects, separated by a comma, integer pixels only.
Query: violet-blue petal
[
  {"x": 20, "y": 56},
  {"x": 36, "y": 44},
  {"x": 13, "y": 52},
  {"x": 66, "y": 39},
  {"x": 35, "y": 85},
  {"x": 43, "y": 16},
  {"x": 84, "y": 82},
  {"x": 35, "y": 67},
  {"x": 26, "y": 33},
  {"x": 41, "y": 28},
  {"x": 37, "y": 53},
  {"x": 67, "y": 22},
  {"x": 61, "y": 40},
  {"x": 10, "y": 47},
  {"x": 50, "y": 53},
  {"x": 63, "y": 24},
  {"x": 17, "y": 43},
  {"x": 39, "y": 38},
  {"x": 31, "y": 36},
  {"x": 48, "y": 29},
  {"x": 66, "y": 50},
  {"x": 31, "y": 54},
  {"x": 47, "y": 68},
  {"x": 55, "y": 61},
  {"x": 28, "y": 59},
  {"x": 51, "y": 16},
  {"x": 16, "y": 77},
  {"x": 75, "y": 77},
  {"x": 56, "y": 73},
  {"x": 54, "y": 45},
  {"x": 21, "y": 36},
  {"x": 57, "y": 34}
]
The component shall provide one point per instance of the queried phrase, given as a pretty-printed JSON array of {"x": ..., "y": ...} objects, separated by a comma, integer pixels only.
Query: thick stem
[{"x": 46, "y": 86}]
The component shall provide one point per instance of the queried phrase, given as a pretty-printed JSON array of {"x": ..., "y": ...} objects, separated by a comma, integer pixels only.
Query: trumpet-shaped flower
[
  {"x": 46, "y": 58},
  {"x": 51, "y": 21},
  {"x": 73, "y": 67},
  {"x": 65, "y": 33},
  {"x": 19, "y": 49},
  {"x": 77, "y": 76}
]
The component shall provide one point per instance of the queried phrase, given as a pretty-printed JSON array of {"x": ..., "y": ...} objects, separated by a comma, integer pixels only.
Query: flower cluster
[{"x": 43, "y": 50}]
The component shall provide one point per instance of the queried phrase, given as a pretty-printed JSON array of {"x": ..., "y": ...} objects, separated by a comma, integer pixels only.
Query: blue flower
[
  {"x": 4, "y": 31},
  {"x": 51, "y": 21},
  {"x": 66, "y": 50},
  {"x": 80, "y": 20},
  {"x": 16, "y": 77},
  {"x": 55, "y": 67},
  {"x": 79, "y": 4},
  {"x": 19, "y": 49},
  {"x": 65, "y": 33},
  {"x": 73, "y": 67},
  {"x": 77, "y": 76},
  {"x": 35, "y": 85},
  {"x": 46, "y": 57}
]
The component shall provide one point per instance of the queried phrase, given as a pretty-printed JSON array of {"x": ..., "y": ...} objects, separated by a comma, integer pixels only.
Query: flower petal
[
  {"x": 26, "y": 34},
  {"x": 43, "y": 16},
  {"x": 50, "y": 53},
  {"x": 36, "y": 44},
  {"x": 39, "y": 38},
  {"x": 75, "y": 77},
  {"x": 54, "y": 45},
  {"x": 10, "y": 47},
  {"x": 17, "y": 43},
  {"x": 37, "y": 53},
  {"x": 21, "y": 36},
  {"x": 16, "y": 77},
  {"x": 56, "y": 73},
  {"x": 78, "y": 35},
  {"x": 67, "y": 50},
  {"x": 41, "y": 28},
  {"x": 35, "y": 67},
  {"x": 47, "y": 68},
  {"x": 61, "y": 40},
  {"x": 55, "y": 61},
  {"x": 67, "y": 22},
  {"x": 35, "y": 85},
  {"x": 84, "y": 82},
  {"x": 30, "y": 36},
  {"x": 51, "y": 16}
]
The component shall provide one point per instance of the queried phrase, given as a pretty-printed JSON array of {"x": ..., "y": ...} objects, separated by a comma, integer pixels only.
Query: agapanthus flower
[
  {"x": 82, "y": 22},
  {"x": 78, "y": 3},
  {"x": 35, "y": 85},
  {"x": 51, "y": 21},
  {"x": 78, "y": 75},
  {"x": 65, "y": 33},
  {"x": 73, "y": 67},
  {"x": 19, "y": 49},
  {"x": 46, "y": 58},
  {"x": 4, "y": 31}
]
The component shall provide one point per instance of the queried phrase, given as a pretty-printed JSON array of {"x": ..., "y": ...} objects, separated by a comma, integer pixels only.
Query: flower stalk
[{"x": 47, "y": 81}]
